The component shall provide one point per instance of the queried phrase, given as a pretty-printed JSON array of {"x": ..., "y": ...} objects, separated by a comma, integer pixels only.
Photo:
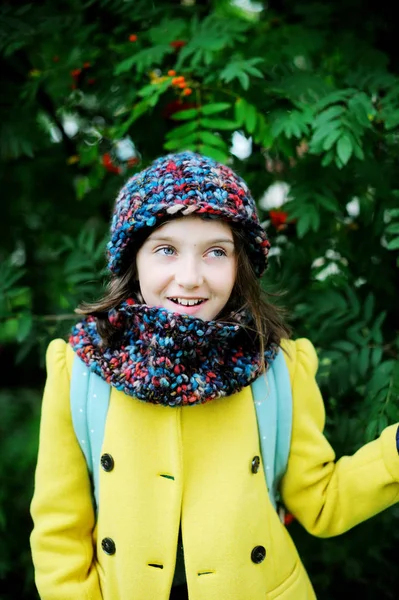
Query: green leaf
[
  {"x": 210, "y": 36},
  {"x": 335, "y": 97},
  {"x": 376, "y": 333},
  {"x": 358, "y": 151},
  {"x": 376, "y": 355},
  {"x": 354, "y": 332},
  {"x": 371, "y": 430},
  {"x": 82, "y": 186},
  {"x": 210, "y": 139},
  {"x": 382, "y": 423},
  {"x": 239, "y": 69},
  {"x": 168, "y": 30},
  {"x": 331, "y": 138},
  {"x": 25, "y": 322},
  {"x": 9, "y": 275},
  {"x": 344, "y": 149},
  {"x": 250, "y": 118},
  {"x": 148, "y": 90},
  {"x": 392, "y": 228},
  {"x": 182, "y": 130},
  {"x": 314, "y": 218},
  {"x": 144, "y": 59},
  {"x": 368, "y": 308},
  {"x": 16, "y": 292},
  {"x": 125, "y": 65},
  {"x": 329, "y": 204},
  {"x": 393, "y": 244},
  {"x": 303, "y": 225},
  {"x": 344, "y": 345},
  {"x": 327, "y": 158},
  {"x": 214, "y": 153},
  {"x": 240, "y": 109},
  {"x": 173, "y": 144},
  {"x": 328, "y": 115},
  {"x": 243, "y": 79},
  {"x": 185, "y": 115},
  {"x": 362, "y": 108},
  {"x": 181, "y": 142},
  {"x": 323, "y": 132},
  {"x": 86, "y": 239},
  {"x": 80, "y": 277},
  {"x": 363, "y": 360},
  {"x": 380, "y": 377},
  {"x": 218, "y": 124},
  {"x": 354, "y": 303},
  {"x": 216, "y": 107},
  {"x": 392, "y": 119},
  {"x": 153, "y": 100}
]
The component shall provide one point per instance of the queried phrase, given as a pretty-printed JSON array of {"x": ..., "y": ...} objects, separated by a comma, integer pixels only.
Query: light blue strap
[
  {"x": 284, "y": 417},
  {"x": 97, "y": 409},
  {"x": 78, "y": 399},
  {"x": 265, "y": 399},
  {"x": 89, "y": 397},
  {"x": 273, "y": 404}
]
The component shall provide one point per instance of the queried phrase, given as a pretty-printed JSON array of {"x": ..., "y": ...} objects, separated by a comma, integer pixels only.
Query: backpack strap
[
  {"x": 89, "y": 398},
  {"x": 273, "y": 404},
  {"x": 284, "y": 418}
]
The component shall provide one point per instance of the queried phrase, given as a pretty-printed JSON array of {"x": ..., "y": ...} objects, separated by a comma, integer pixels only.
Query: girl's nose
[{"x": 188, "y": 273}]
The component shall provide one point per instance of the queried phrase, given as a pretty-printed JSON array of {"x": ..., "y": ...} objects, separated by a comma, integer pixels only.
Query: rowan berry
[{"x": 177, "y": 80}]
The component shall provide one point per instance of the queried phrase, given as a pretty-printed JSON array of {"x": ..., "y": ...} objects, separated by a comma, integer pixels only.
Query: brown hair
[{"x": 268, "y": 325}]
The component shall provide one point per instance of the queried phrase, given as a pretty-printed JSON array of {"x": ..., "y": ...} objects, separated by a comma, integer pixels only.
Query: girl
[{"x": 180, "y": 335}]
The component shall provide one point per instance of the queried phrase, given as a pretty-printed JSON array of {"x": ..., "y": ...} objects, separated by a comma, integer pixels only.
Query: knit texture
[
  {"x": 171, "y": 359},
  {"x": 180, "y": 185}
]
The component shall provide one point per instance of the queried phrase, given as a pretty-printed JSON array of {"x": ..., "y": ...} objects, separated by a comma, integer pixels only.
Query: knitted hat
[{"x": 180, "y": 185}]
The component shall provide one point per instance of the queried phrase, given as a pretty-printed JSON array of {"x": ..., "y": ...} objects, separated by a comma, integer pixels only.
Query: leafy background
[{"x": 94, "y": 90}]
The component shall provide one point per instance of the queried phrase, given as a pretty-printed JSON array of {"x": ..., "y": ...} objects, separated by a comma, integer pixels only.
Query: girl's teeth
[{"x": 185, "y": 302}]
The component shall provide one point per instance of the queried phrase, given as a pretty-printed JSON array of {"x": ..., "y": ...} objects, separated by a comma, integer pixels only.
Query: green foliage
[
  {"x": 241, "y": 70},
  {"x": 95, "y": 90},
  {"x": 208, "y": 37},
  {"x": 19, "y": 422}
]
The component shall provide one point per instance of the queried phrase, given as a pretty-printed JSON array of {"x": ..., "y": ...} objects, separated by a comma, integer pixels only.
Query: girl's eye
[
  {"x": 217, "y": 252},
  {"x": 166, "y": 250}
]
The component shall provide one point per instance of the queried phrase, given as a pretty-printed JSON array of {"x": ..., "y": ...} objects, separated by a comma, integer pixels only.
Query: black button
[
  {"x": 107, "y": 462},
  {"x": 255, "y": 464},
  {"x": 108, "y": 545},
  {"x": 258, "y": 554}
]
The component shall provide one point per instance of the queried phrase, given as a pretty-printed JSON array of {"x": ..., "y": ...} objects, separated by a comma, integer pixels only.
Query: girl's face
[{"x": 188, "y": 266}]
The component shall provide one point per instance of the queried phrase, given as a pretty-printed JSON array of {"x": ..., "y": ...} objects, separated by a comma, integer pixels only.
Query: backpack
[{"x": 271, "y": 391}]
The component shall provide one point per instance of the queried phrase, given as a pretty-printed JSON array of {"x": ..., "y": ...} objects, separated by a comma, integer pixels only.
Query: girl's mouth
[{"x": 187, "y": 301}]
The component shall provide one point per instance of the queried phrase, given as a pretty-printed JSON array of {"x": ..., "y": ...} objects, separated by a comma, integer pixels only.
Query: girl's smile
[
  {"x": 188, "y": 266},
  {"x": 191, "y": 305}
]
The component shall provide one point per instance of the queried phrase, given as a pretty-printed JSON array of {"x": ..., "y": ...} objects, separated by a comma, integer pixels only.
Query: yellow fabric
[{"x": 224, "y": 508}]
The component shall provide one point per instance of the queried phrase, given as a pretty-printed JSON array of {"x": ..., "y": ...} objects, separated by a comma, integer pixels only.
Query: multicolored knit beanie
[{"x": 180, "y": 185}]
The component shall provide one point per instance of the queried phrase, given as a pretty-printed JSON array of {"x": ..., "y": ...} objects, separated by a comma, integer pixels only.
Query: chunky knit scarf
[{"x": 171, "y": 359}]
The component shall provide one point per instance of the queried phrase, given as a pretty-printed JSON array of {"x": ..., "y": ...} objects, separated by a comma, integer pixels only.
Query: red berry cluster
[{"x": 77, "y": 75}]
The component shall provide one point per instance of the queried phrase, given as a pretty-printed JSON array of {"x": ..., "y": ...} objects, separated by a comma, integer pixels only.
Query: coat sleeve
[
  {"x": 328, "y": 497},
  {"x": 62, "y": 512}
]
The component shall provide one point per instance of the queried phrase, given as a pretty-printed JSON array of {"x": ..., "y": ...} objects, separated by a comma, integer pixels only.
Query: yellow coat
[{"x": 206, "y": 451}]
